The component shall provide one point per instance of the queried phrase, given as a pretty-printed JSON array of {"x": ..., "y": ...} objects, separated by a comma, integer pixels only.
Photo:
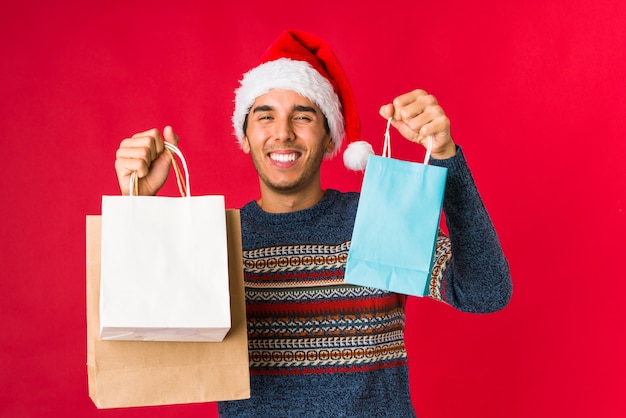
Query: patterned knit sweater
[{"x": 322, "y": 348}]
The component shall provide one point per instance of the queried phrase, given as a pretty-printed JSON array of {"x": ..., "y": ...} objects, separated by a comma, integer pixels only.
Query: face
[{"x": 287, "y": 140}]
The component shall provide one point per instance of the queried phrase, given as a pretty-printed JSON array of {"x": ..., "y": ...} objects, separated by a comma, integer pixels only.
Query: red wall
[{"x": 535, "y": 92}]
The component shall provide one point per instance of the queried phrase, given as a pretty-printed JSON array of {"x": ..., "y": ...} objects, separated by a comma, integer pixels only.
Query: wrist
[{"x": 448, "y": 151}]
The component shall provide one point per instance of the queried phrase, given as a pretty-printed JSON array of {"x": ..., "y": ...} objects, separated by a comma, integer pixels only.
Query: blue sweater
[{"x": 321, "y": 348}]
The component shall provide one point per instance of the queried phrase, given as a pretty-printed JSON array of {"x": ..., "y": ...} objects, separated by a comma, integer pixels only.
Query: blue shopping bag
[{"x": 397, "y": 223}]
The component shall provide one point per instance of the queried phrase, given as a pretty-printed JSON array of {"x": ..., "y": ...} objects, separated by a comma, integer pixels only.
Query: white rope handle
[
  {"x": 429, "y": 148},
  {"x": 387, "y": 144},
  {"x": 175, "y": 150}
]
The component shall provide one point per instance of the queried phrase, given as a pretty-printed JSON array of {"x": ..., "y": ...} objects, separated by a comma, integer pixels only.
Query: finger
[
  {"x": 170, "y": 136},
  {"x": 142, "y": 147},
  {"x": 386, "y": 111},
  {"x": 425, "y": 104},
  {"x": 154, "y": 133},
  {"x": 429, "y": 123},
  {"x": 145, "y": 154},
  {"x": 155, "y": 140},
  {"x": 408, "y": 101},
  {"x": 418, "y": 116},
  {"x": 126, "y": 166},
  {"x": 438, "y": 128},
  {"x": 125, "y": 169}
]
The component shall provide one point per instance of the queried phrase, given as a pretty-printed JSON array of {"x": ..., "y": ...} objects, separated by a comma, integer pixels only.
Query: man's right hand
[{"x": 143, "y": 153}]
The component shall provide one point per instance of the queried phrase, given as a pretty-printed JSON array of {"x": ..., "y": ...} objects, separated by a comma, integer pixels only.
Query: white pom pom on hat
[
  {"x": 356, "y": 154},
  {"x": 303, "y": 63}
]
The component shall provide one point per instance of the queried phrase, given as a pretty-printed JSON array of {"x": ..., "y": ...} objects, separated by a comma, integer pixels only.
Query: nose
[{"x": 283, "y": 129}]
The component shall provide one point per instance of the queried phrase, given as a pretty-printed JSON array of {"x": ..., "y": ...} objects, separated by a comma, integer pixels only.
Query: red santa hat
[{"x": 303, "y": 63}]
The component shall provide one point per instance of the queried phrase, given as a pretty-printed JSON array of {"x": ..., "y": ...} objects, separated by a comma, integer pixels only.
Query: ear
[
  {"x": 330, "y": 145},
  {"x": 245, "y": 145}
]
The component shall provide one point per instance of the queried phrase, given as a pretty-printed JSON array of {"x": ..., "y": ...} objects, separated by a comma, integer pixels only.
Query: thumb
[
  {"x": 169, "y": 135},
  {"x": 386, "y": 111}
]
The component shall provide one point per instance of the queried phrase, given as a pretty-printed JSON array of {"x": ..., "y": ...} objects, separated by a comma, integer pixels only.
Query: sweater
[{"x": 321, "y": 348}]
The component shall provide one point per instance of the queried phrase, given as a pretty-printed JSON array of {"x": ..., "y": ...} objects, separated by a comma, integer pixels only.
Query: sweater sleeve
[{"x": 471, "y": 272}]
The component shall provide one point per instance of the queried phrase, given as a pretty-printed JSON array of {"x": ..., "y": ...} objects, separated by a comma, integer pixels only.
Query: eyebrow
[
  {"x": 297, "y": 108},
  {"x": 262, "y": 108},
  {"x": 300, "y": 108}
]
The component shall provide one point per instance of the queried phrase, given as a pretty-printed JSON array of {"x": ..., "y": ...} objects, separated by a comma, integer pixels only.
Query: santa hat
[{"x": 303, "y": 63}]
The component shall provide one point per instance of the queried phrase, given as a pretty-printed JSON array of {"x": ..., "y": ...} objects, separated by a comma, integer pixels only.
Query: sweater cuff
[
  {"x": 455, "y": 162},
  {"x": 459, "y": 179}
]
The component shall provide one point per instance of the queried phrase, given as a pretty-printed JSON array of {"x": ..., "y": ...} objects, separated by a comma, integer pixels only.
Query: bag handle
[
  {"x": 387, "y": 144},
  {"x": 183, "y": 188}
]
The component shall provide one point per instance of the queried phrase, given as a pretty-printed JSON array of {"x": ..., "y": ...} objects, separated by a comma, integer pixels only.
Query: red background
[{"x": 535, "y": 93}]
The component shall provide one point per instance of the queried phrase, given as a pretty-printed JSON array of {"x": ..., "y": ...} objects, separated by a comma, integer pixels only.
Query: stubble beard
[{"x": 309, "y": 173}]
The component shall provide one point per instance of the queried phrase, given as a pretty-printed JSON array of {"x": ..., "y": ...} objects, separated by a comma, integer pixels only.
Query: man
[{"x": 318, "y": 346}]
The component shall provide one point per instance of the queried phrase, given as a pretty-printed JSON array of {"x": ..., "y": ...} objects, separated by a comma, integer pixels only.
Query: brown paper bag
[{"x": 139, "y": 373}]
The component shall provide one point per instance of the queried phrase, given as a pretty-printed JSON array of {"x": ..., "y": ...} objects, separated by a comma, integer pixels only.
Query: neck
[{"x": 276, "y": 201}]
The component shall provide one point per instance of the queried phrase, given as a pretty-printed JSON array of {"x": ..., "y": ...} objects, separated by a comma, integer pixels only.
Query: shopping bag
[
  {"x": 164, "y": 266},
  {"x": 397, "y": 223},
  {"x": 138, "y": 373}
]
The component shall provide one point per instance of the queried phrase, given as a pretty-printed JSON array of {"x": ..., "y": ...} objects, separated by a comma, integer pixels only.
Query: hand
[
  {"x": 143, "y": 153},
  {"x": 417, "y": 115}
]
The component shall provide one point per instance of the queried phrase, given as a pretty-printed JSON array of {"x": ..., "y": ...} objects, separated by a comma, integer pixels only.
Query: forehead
[{"x": 283, "y": 99}]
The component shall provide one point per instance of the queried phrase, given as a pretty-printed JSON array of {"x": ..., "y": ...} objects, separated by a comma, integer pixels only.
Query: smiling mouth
[{"x": 284, "y": 157}]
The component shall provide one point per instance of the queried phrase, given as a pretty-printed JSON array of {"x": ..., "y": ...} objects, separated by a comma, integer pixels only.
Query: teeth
[{"x": 283, "y": 158}]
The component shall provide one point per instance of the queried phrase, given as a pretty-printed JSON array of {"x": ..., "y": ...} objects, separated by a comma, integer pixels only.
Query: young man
[{"x": 317, "y": 346}]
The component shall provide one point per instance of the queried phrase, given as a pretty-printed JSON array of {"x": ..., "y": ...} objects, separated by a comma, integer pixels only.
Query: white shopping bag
[{"x": 164, "y": 271}]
